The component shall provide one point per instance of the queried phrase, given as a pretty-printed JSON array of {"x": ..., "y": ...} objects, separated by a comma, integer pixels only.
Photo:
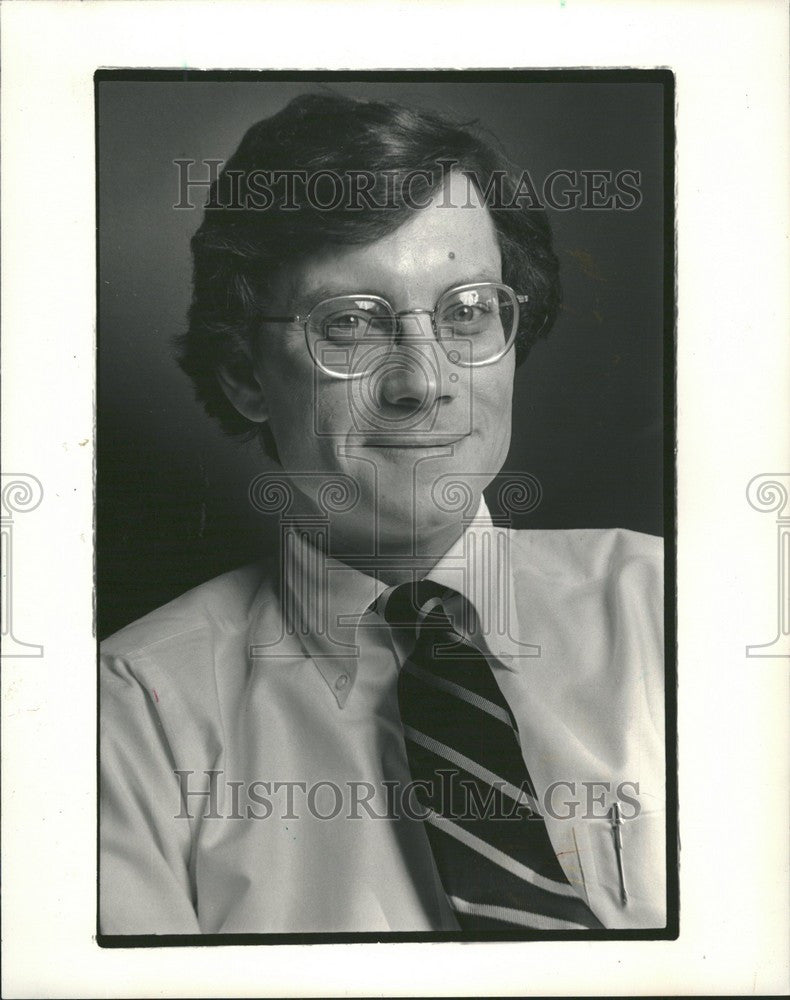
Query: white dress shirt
[{"x": 282, "y": 704}]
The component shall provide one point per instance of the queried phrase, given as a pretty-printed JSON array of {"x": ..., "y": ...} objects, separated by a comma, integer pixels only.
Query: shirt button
[{"x": 341, "y": 682}]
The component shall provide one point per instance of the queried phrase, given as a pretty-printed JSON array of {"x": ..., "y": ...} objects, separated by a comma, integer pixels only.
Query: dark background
[{"x": 589, "y": 414}]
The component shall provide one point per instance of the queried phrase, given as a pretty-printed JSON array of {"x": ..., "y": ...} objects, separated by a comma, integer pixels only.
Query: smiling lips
[{"x": 432, "y": 440}]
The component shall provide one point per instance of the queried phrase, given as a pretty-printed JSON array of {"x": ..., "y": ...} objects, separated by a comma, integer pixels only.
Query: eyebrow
[
  {"x": 306, "y": 301},
  {"x": 309, "y": 299}
]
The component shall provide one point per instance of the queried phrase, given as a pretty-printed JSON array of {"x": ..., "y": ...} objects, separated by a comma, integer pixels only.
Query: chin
[{"x": 398, "y": 533}]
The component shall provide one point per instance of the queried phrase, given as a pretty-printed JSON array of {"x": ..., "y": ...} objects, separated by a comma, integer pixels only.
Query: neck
[{"x": 397, "y": 559}]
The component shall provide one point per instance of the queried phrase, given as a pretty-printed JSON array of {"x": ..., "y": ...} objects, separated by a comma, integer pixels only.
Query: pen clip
[{"x": 617, "y": 832}]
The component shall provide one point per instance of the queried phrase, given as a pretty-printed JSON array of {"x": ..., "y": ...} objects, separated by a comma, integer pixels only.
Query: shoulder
[
  {"x": 591, "y": 581},
  {"x": 178, "y": 664},
  {"x": 587, "y": 554},
  {"x": 224, "y": 605},
  {"x": 593, "y": 601}
]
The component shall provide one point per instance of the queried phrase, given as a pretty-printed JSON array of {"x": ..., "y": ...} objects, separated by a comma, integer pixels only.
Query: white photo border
[{"x": 730, "y": 64}]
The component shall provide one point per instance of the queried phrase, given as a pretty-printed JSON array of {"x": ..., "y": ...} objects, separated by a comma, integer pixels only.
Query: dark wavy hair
[{"x": 238, "y": 249}]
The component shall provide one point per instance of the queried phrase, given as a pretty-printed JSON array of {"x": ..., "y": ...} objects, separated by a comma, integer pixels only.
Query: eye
[
  {"x": 462, "y": 313},
  {"x": 468, "y": 312},
  {"x": 351, "y": 318},
  {"x": 352, "y": 321},
  {"x": 344, "y": 326}
]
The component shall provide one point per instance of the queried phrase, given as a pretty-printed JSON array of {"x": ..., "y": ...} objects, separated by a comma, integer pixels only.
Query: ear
[{"x": 243, "y": 388}]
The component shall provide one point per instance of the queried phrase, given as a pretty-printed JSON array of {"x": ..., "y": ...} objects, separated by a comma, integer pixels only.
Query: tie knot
[{"x": 417, "y": 604}]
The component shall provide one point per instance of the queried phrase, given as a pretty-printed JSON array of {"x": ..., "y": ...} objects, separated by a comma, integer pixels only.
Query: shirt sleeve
[{"x": 144, "y": 881}]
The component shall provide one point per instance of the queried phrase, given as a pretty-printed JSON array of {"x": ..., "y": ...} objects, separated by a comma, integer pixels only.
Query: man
[{"x": 414, "y": 719}]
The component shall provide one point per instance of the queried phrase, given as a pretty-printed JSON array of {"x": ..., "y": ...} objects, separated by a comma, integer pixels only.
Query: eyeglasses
[{"x": 351, "y": 335}]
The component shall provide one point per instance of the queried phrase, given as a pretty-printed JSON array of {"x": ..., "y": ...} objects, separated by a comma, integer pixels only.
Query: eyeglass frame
[{"x": 519, "y": 299}]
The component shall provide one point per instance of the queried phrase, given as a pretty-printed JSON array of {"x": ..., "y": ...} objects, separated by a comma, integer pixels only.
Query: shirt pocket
[{"x": 625, "y": 878}]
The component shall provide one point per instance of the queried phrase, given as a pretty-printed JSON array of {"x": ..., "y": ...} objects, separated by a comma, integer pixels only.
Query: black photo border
[{"x": 666, "y": 79}]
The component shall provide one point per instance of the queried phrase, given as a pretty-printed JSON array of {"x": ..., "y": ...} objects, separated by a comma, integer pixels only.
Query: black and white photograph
[
  {"x": 385, "y": 505},
  {"x": 394, "y": 570}
]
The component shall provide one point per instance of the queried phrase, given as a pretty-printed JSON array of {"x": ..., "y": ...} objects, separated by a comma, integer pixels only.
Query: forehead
[{"x": 450, "y": 241}]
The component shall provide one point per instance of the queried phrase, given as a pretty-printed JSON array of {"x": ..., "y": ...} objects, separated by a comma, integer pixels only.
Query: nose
[{"x": 417, "y": 374}]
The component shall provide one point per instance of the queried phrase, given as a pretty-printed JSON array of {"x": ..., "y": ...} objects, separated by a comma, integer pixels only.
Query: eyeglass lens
[{"x": 476, "y": 321}]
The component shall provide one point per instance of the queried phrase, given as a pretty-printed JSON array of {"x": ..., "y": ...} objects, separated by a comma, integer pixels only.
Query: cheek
[
  {"x": 288, "y": 387},
  {"x": 494, "y": 396},
  {"x": 309, "y": 416},
  {"x": 496, "y": 424}
]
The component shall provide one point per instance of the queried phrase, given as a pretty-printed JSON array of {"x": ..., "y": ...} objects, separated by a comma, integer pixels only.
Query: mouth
[{"x": 414, "y": 442}]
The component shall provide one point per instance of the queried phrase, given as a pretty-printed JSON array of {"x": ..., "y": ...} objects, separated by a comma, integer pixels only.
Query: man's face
[{"x": 416, "y": 423}]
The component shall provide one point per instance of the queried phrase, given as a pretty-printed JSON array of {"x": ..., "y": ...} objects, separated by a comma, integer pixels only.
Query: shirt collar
[{"x": 326, "y": 599}]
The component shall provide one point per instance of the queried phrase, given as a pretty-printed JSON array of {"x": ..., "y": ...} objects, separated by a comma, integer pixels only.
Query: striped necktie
[{"x": 489, "y": 841}]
